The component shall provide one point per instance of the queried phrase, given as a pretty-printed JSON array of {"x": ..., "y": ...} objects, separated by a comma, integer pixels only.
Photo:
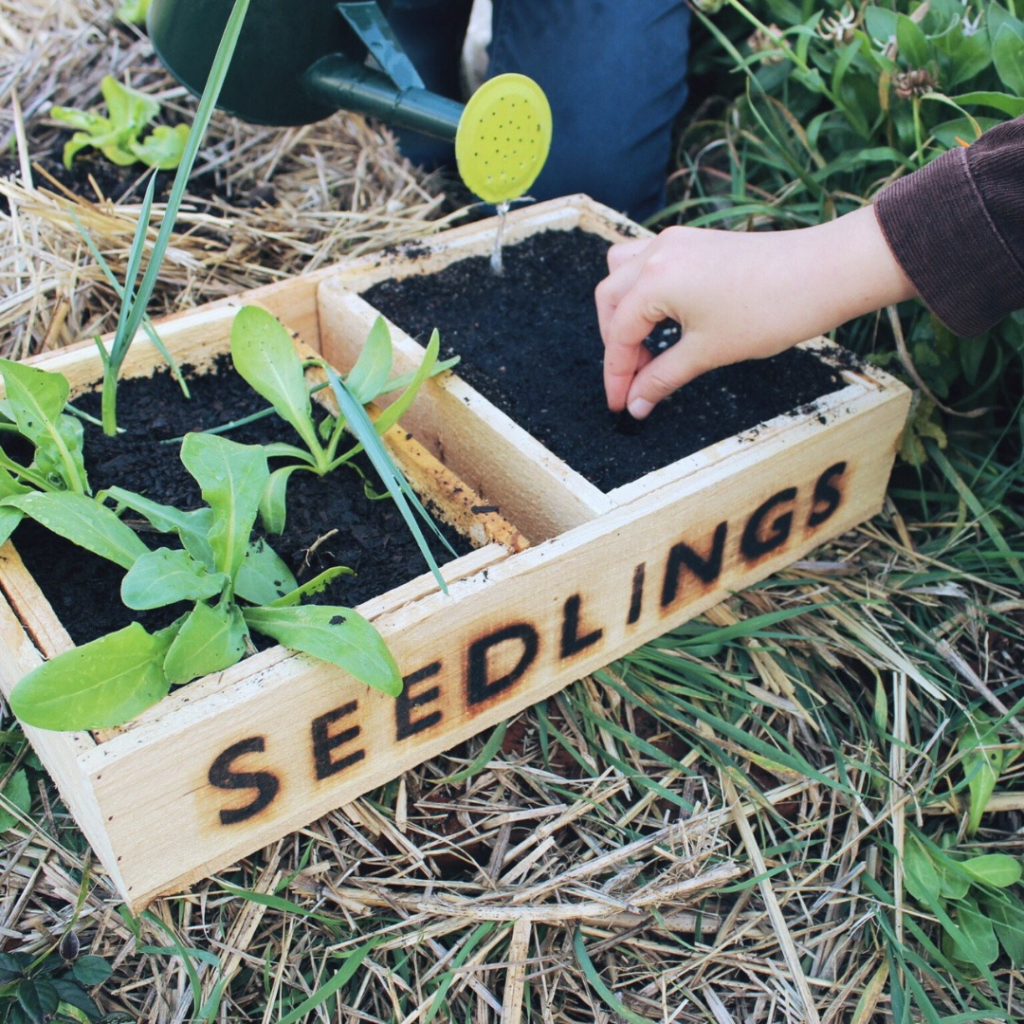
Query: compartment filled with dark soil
[
  {"x": 530, "y": 343},
  {"x": 332, "y": 520}
]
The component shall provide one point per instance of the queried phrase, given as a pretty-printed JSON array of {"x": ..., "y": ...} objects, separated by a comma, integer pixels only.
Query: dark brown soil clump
[{"x": 530, "y": 343}]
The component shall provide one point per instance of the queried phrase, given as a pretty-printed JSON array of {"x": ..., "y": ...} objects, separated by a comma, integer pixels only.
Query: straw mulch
[{"x": 702, "y": 832}]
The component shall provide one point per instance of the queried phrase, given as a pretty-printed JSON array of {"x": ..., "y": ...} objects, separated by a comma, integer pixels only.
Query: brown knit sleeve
[{"x": 956, "y": 227}]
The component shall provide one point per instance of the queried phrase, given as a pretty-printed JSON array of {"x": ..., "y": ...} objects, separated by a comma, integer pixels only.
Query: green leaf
[
  {"x": 982, "y": 762},
  {"x": 165, "y": 576},
  {"x": 91, "y": 970},
  {"x": 398, "y": 487},
  {"x": 162, "y": 148},
  {"x": 1008, "y": 57},
  {"x": 9, "y": 519},
  {"x": 919, "y": 874},
  {"x": 210, "y": 640},
  {"x": 232, "y": 477},
  {"x": 982, "y": 947},
  {"x": 308, "y": 589},
  {"x": 102, "y": 684},
  {"x": 36, "y": 399},
  {"x": 128, "y": 108},
  {"x": 370, "y": 373},
  {"x": 192, "y": 527},
  {"x": 84, "y": 522},
  {"x": 912, "y": 42},
  {"x": 16, "y": 793},
  {"x": 82, "y": 1008},
  {"x": 338, "y": 635},
  {"x": 396, "y": 410},
  {"x": 264, "y": 576},
  {"x": 997, "y": 869},
  {"x": 39, "y": 999},
  {"x": 263, "y": 353},
  {"x": 1012, "y": 106},
  {"x": 83, "y": 120},
  {"x": 954, "y": 883},
  {"x": 1007, "y": 913},
  {"x": 273, "y": 502}
]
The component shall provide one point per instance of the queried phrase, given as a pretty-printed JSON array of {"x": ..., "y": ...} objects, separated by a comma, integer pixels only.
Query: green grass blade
[{"x": 398, "y": 487}]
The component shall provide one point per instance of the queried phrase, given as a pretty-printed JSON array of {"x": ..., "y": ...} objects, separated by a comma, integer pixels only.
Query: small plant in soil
[
  {"x": 234, "y": 583},
  {"x": 120, "y": 135},
  {"x": 134, "y": 300},
  {"x": 34, "y": 411},
  {"x": 263, "y": 354}
]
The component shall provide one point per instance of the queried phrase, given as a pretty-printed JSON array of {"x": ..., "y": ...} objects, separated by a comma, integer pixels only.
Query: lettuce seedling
[
  {"x": 235, "y": 584},
  {"x": 34, "y": 409},
  {"x": 119, "y": 135},
  {"x": 264, "y": 355}
]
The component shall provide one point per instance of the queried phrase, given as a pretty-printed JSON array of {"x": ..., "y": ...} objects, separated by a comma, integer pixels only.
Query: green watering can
[{"x": 298, "y": 62}]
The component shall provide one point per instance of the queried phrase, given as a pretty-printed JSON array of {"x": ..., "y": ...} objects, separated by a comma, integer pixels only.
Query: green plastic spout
[
  {"x": 296, "y": 63},
  {"x": 339, "y": 82}
]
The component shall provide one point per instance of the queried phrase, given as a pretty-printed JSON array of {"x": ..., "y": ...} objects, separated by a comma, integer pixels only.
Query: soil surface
[
  {"x": 529, "y": 342},
  {"x": 331, "y": 520}
]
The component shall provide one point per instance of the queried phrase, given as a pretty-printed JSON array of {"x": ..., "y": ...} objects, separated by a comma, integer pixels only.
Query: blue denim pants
[{"x": 614, "y": 72}]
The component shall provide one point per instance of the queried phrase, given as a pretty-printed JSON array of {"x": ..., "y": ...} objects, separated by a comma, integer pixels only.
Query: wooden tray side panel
[
  {"x": 497, "y": 458},
  {"x": 305, "y": 741}
]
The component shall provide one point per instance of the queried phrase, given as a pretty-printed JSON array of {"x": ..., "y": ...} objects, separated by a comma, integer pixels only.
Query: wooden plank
[
  {"x": 487, "y": 449},
  {"x": 310, "y": 739}
]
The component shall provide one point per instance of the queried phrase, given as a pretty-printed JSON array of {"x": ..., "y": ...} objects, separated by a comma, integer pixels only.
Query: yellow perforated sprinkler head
[{"x": 503, "y": 138}]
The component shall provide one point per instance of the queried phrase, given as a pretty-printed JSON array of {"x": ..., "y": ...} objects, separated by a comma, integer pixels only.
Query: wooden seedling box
[{"x": 232, "y": 762}]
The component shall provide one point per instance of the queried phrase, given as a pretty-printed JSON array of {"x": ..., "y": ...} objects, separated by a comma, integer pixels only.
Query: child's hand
[{"x": 736, "y": 295}]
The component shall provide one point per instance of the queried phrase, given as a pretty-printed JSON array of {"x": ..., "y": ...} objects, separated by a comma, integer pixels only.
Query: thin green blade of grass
[
  {"x": 405, "y": 499},
  {"x": 600, "y": 986},
  {"x": 343, "y": 975}
]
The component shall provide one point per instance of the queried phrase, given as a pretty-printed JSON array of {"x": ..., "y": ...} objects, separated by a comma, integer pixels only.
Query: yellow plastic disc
[{"x": 503, "y": 137}]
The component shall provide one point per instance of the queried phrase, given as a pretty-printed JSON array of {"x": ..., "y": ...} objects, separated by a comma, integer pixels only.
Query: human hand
[{"x": 736, "y": 296}]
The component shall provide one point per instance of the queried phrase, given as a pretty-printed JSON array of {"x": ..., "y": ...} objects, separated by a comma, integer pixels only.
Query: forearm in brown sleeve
[{"x": 956, "y": 227}]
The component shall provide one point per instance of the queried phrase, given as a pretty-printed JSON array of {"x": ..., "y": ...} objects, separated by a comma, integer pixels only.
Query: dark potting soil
[
  {"x": 331, "y": 520},
  {"x": 530, "y": 343}
]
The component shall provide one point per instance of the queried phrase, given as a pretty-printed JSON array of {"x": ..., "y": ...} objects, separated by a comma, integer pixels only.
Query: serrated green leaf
[
  {"x": 997, "y": 869},
  {"x": 367, "y": 378},
  {"x": 264, "y": 576},
  {"x": 127, "y": 108},
  {"x": 166, "y": 576},
  {"x": 338, "y": 635},
  {"x": 96, "y": 686},
  {"x": 84, "y": 522},
  {"x": 16, "y": 792},
  {"x": 211, "y": 639},
  {"x": 232, "y": 478}
]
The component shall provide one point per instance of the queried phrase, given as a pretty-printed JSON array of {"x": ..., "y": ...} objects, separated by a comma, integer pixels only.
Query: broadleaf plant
[
  {"x": 264, "y": 355},
  {"x": 235, "y": 583},
  {"x": 120, "y": 135},
  {"x": 34, "y": 409}
]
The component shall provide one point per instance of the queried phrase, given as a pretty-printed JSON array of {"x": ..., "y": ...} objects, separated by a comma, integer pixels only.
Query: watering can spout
[
  {"x": 340, "y": 83},
  {"x": 299, "y": 63}
]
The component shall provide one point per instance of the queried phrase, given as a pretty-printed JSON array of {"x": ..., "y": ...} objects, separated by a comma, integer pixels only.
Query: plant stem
[{"x": 919, "y": 154}]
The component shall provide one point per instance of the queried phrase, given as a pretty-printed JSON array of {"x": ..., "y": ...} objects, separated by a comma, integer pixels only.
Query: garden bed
[{"x": 233, "y": 761}]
